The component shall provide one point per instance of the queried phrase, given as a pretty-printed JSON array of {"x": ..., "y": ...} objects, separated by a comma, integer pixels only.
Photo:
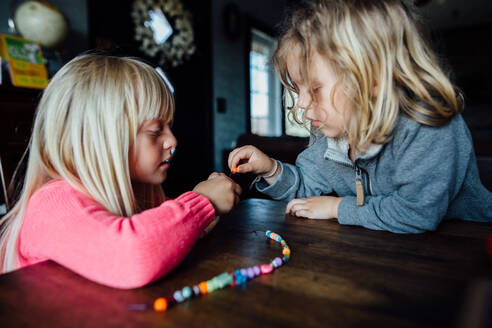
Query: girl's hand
[
  {"x": 320, "y": 207},
  {"x": 249, "y": 159},
  {"x": 222, "y": 192}
]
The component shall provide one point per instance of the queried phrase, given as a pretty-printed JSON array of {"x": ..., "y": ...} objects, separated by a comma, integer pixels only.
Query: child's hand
[
  {"x": 249, "y": 159},
  {"x": 320, "y": 207},
  {"x": 222, "y": 192}
]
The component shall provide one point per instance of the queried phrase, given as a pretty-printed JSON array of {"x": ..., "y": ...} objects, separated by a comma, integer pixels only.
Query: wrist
[
  {"x": 337, "y": 205},
  {"x": 272, "y": 172}
]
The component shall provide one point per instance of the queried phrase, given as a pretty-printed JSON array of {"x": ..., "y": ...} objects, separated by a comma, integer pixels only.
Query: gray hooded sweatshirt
[{"x": 421, "y": 176}]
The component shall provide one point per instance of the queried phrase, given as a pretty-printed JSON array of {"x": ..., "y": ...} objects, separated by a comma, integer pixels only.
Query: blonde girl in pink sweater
[{"x": 92, "y": 199}]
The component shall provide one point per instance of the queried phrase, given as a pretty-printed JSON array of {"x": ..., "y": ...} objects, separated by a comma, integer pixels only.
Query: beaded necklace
[{"x": 234, "y": 278}]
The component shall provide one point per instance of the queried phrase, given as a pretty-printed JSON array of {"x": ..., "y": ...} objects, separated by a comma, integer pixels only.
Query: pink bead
[{"x": 266, "y": 268}]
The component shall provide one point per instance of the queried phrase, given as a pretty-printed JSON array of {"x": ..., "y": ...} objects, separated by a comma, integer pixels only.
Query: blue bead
[{"x": 186, "y": 291}]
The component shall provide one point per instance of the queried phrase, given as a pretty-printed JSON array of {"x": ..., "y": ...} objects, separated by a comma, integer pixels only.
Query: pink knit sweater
[{"x": 64, "y": 225}]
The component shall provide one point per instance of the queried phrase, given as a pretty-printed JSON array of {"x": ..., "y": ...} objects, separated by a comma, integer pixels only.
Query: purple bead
[
  {"x": 196, "y": 290},
  {"x": 244, "y": 272},
  {"x": 278, "y": 261},
  {"x": 256, "y": 270},
  {"x": 251, "y": 273}
]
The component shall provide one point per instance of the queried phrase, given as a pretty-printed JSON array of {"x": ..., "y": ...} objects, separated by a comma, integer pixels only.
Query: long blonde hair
[
  {"x": 381, "y": 59},
  {"x": 85, "y": 126}
]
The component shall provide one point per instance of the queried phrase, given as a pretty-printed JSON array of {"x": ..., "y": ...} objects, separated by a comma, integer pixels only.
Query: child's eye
[{"x": 156, "y": 133}]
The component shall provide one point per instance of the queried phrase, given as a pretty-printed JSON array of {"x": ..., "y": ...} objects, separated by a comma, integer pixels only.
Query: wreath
[{"x": 179, "y": 46}]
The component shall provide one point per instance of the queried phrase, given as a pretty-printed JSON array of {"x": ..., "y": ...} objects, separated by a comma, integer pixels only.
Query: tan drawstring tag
[
  {"x": 360, "y": 192},
  {"x": 359, "y": 187}
]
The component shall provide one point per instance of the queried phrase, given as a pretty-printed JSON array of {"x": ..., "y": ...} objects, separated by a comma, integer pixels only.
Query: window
[
  {"x": 266, "y": 115},
  {"x": 265, "y": 89}
]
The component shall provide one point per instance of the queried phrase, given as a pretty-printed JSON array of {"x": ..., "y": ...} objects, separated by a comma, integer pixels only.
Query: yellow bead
[
  {"x": 160, "y": 304},
  {"x": 286, "y": 251}
]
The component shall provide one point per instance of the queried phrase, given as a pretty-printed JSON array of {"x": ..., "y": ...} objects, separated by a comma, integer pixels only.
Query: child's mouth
[{"x": 166, "y": 162}]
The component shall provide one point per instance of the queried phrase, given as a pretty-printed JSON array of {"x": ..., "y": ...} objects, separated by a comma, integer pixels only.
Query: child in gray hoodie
[{"x": 386, "y": 134}]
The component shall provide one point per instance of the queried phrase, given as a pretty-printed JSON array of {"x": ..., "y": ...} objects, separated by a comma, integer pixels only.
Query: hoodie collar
[{"x": 338, "y": 150}]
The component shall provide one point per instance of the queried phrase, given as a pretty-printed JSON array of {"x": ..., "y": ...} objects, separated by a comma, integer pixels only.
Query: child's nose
[
  {"x": 170, "y": 142},
  {"x": 303, "y": 100}
]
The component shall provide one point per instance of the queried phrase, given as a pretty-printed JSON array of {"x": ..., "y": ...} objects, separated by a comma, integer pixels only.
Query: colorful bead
[
  {"x": 233, "y": 282},
  {"x": 196, "y": 290},
  {"x": 256, "y": 270},
  {"x": 286, "y": 251},
  {"x": 178, "y": 296},
  {"x": 226, "y": 279},
  {"x": 160, "y": 304},
  {"x": 203, "y": 287},
  {"x": 211, "y": 286},
  {"x": 250, "y": 273},
  {"x": 240, "y": 278},
  {"x": 266, "y": 268},
  {"x": 187, "y": 292},
  {"x": 278, "y": 261}
]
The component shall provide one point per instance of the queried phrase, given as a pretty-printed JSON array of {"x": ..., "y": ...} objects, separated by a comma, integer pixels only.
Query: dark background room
[{"x": 217, "y": 99}]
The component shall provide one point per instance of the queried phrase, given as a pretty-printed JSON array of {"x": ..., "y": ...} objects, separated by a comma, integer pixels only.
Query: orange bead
[
  {"x": 234, "y": 169},
  {"x": 286, "y": 251},
  {"x": 160, "y": 304},
  {"x": 203, "y": 287}
]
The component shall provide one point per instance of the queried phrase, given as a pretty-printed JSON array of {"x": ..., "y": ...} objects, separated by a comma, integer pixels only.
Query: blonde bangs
[{"x": 154, "y": 99}]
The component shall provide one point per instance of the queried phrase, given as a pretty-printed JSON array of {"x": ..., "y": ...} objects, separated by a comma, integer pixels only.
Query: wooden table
[{"x": 338, "y": 276}]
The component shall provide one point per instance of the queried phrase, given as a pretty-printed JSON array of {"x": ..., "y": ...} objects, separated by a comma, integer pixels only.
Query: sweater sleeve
[
  {"x": 300, "y": 180},
  {"x": 430, "y": 165},
  {"x": 64, "y": 225}
]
